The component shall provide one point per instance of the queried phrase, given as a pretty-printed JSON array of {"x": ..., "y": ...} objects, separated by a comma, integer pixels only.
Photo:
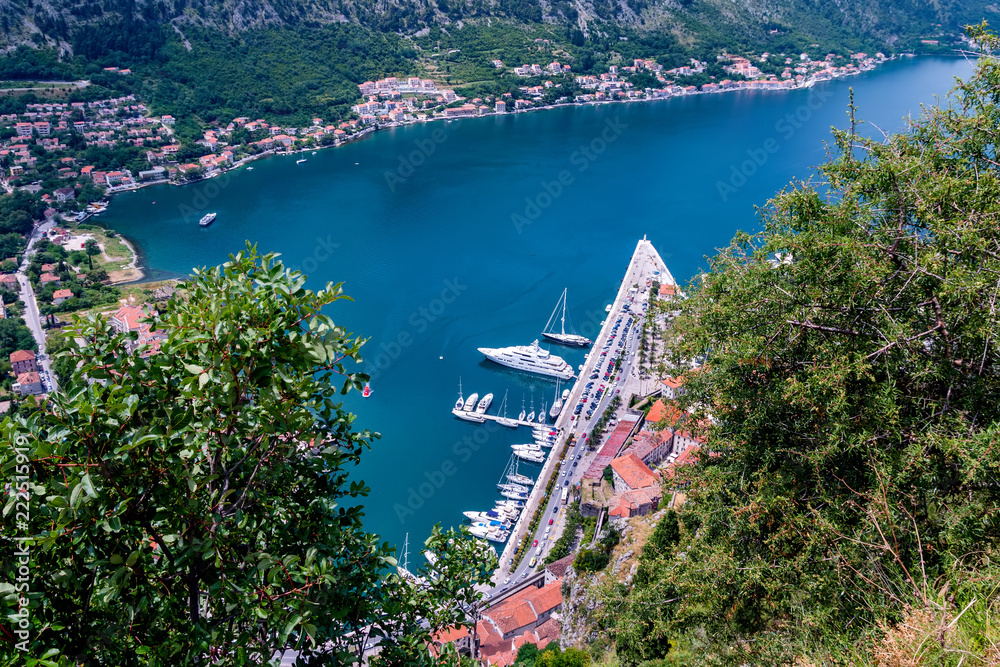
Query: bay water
[{"x": 456, "y": 235}]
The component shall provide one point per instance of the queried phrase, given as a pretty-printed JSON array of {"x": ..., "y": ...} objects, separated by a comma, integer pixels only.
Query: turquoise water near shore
[{"x": 456, "y": 235}]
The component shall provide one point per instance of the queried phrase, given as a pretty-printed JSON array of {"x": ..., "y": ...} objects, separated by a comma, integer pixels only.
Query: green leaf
[{"x": 87, "y": 486}]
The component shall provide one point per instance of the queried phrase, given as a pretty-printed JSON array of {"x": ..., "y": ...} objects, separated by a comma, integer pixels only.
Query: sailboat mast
[{"x": 563, "y": 322}]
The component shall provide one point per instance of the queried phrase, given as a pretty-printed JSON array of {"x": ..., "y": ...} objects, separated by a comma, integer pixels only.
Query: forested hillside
[
  {"x": 844, "y": 508},
  {"x": 291, "y": 60}
]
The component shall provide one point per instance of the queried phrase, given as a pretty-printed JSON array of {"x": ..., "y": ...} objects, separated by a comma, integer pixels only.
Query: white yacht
[
  {"x": 493, "y": 535},
  {"x": 526, "y": 455},
  {"x": 484, "y": 404},
  {"x": 514, "y": 495},
  {"x": 526, "y": 448},
  {"x": 469, "y": 416},
  {"x": 470, "y": 402},
  {"x": 514, "y": 504},
  {"x": 518, "y": 478},
  {"x": 520, "y": 488},
  {"x": 531, "y": 359},
  {"x": 561, "y": 336}
]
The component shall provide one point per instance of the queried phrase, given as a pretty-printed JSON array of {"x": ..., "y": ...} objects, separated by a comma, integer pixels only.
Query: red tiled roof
[
  {"x": 49, "y": 278},
  {"x": 451, "y": 634},
  {"x": 668, "y": 290},
  {"x": 546, "y": 598},
  {"x": 22, "y": 355},
  {"x": 511, "y": 614},
  {"x": 656, "y": 412},
  {"x": 62, "y": 294},
  {"x": 683, "y": 458},
  {"x": 609, "y": 450},
  {"x": 647, "y": 441},
  {"x": 30, "y": 377},
  {"x": 634, "y": 472}
]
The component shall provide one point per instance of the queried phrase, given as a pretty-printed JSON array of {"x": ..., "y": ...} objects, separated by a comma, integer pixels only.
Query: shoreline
[{"x": 145, "y": 272}]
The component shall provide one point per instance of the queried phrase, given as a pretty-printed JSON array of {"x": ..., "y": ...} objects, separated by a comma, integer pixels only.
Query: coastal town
[{"x": 44, "y": 150}]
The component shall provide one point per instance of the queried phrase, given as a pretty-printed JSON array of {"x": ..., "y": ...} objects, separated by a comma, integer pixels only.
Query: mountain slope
[{"x": 734, "y": 21}]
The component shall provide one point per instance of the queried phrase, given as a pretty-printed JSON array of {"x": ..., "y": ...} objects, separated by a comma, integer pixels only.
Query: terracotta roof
[
  {"x": 656, "y": 412},
  {"x": 610, "y": 449},
  {"x": 548, "y": 631},
  {"x": 668, "y": 290},
  {"x": 546, "y": 598},
  {"x": 634, "y": 472},
  {"x": 452, "y": 634},
  {"x": 628, "y": 503},
  {"x": 674, "y": 383},
  {"x": 646, "y": 441},
  {"x": 511, "y": 614},
  {"x": 62, "y": 294},
  {"x": 559, "y": 567},
  {"x": 683, "y": 458},
  {"x": 29, "y": 378},
  {"x": 22, "y": 355},
  {"x": 48, "y": 278},
  {"x": 488, "y": 635},
  {"x": 130, "y": 316}
]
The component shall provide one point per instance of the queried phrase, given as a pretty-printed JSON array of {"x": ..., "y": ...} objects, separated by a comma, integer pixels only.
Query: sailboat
[
  {"x": 520, "y": 417},
  {"x": 561, "y": 336},
  {"x": 460, "y": 403},
  {"x": 557, "y": 404},
  {"x": 504, "y": 420},
  {"x": 531, "y": 415},
  {"x": 542, "y": 417}
]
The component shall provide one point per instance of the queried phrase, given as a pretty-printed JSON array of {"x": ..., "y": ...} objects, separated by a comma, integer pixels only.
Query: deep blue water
[{"x": 452, "y": 236}]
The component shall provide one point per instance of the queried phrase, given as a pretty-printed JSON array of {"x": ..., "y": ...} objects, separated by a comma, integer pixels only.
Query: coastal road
[
  {"x": 31, "y": 315},
  {"x": 645, "y": 265}
]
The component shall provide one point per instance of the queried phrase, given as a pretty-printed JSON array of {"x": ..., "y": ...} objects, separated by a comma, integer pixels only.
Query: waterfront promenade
[{"x": 645, "y": 266}]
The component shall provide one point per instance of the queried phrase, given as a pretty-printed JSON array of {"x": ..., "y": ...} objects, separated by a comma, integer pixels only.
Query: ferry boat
[
  {"x": 561, "y": 336},
  {"x": 300, "y": 161},
  {"x": 484, "y": 404},
  {"x": 531, "y": 359},
  {"x": 208, "y": 219}
]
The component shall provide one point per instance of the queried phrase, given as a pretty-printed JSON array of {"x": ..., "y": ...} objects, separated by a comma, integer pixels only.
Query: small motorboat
[{"x": 367, "y": 391}]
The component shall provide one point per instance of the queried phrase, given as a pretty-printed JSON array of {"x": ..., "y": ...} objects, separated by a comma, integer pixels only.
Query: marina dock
[{"x": 646, "y": 264}]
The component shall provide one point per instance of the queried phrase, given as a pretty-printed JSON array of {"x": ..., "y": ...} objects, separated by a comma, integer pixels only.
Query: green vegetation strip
[{"x": 522, "y": 549}]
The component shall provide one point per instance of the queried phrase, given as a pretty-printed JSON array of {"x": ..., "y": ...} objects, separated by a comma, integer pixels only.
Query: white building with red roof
[{"x": 28, "y": 384}]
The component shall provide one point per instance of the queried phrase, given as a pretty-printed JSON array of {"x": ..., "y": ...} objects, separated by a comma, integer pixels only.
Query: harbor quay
[{"x": 645, "y": 266}]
